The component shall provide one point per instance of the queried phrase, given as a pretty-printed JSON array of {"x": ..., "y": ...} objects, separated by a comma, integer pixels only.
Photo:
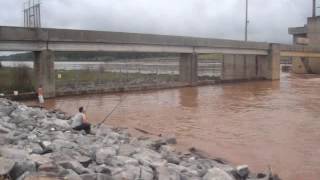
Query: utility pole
[
  {"x": 246, "y": 23},
  {"x": 314, "y": 8}
]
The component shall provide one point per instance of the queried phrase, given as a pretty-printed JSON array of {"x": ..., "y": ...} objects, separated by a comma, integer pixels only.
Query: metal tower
[{"x": 32, "y": 16}]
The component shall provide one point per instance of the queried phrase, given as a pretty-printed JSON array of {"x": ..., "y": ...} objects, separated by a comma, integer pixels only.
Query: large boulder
[
  {"x": 133, "y": 172},
  {"x": 127, "y": 150},
  {"x": 148, "y": 157},
  {"x": 105, "y": 154},
  {"x": 217, "y": 174},
  {"x": 4, "y": 130},
  {"x": 59, "y": 144},
  {"x": 165, "y": 173},
  {"x": 243, "y": 171},
  {"x": 13, "y": 153},
  {"x": 96, "y": 176},
  {"x": 75, "y": 166},
  {"x": 6, "y": 110},
  {"x": 6, "y": 165},
  {"x": 21, "y": 167}
]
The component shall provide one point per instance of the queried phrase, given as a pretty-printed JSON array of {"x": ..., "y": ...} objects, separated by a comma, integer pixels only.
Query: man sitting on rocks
[{"x": 79, "y": 121}]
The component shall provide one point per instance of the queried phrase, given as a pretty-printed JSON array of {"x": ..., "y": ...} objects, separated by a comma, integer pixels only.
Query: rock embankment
[{"x": 36, "y": 144}]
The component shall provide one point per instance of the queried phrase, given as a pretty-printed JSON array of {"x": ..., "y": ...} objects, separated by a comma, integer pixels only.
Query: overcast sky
[{"x": 269, "y": 19}]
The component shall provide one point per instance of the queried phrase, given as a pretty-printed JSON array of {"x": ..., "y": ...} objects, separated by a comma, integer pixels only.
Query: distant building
[{"x": 309, "y": 34}]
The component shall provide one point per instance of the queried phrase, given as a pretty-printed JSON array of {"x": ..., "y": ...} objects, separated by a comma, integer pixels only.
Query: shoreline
[{"x": 40, "y": 143}]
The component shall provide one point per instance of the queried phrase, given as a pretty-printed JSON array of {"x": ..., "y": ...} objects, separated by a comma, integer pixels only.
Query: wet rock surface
[{"x": 37, "y": 143}]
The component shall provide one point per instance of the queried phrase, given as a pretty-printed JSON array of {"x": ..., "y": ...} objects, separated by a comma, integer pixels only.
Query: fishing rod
[{"x": 109, "y": 114}]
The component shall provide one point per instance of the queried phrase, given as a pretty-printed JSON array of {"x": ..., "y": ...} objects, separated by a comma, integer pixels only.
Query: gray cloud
[{"x": 269, "y": 20}]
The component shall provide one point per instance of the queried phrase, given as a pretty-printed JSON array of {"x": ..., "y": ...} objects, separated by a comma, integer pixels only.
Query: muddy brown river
[{"x": 256, "y": 123}]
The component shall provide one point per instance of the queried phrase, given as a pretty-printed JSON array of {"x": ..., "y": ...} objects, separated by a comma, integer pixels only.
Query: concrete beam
[
  {"x": 203, "y": 50},
  {"x": 84, "y": 36},
  {"x": 94, "y": 47},
  {"x": 22, "y": 46},
  {"x": 299, "y": 54},
  {"x": 117, "y": 47}
]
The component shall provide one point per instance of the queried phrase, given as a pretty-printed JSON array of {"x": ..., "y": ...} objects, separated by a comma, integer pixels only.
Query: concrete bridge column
[
  {"x": 269, "y": 66},
  {"x": 44, "y": 72},
  {"x": 188, "y": 68}
]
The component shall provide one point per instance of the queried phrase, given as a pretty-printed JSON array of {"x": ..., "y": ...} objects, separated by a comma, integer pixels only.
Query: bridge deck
[{"x": 30, "y": 39}]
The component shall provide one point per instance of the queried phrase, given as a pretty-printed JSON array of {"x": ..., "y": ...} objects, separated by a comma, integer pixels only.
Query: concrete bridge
[{"x": 241, "y": 60}]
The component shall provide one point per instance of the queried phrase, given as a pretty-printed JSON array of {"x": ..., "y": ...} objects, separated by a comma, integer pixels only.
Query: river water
[{"x": 256, "y": 123}]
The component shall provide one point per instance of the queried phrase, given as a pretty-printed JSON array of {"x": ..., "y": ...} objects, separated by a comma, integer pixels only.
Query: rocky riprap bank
[{"x": 39, "y": 144}]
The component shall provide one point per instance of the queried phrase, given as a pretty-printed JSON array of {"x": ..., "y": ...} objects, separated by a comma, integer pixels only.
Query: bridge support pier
[
  {"x": 274, "y": 62},
  {"x": 44, "y": 72},
  {"x": 188, "y": 68}
]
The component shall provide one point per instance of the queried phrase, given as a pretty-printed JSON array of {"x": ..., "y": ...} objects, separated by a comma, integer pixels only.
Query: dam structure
[
  {"x": 308, "y": 35},
  {"x": 241, "y": 60}
]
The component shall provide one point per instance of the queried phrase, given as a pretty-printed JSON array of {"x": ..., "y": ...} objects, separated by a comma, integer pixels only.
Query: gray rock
[
  {"x": 75, "y": 166},
  {"x": 36, "y": 148},
  {"x": 168, "y": 154},
  {"x": 105, "y": 154},
  {"x": 146, "y": 173},
  {"x": 127, "y": 150},
  {"x": 149, "y": 157},
  {"x": 21, "y": 167},
  {"x": 40, "y": 159},
  {"x": 127, "y": 172},
  {"x": 12, "y": 153},
  {"x": 217, "y": 174},
  {"x": 96, "y": 176},
  {"x": 84, "y": 160},
  {"x": 72, "y": 175},
  {"x": 58, "y": 144},
  {"x": 6, "y": 110},
  {"x": 49, "y": 168},
  {"x": 185, "y": 172},
  {"x": 7, "y": 125},
  {"x": 165, "y": 173},
  {"x": 102, "y": 169},
  {"x": 243, "y": 171},
  {"x": 171, "y": 140},
  {"x": 225, "y": 167},
  {"x": 24, "y": 176},
  {"x": 4, "y": 130},
  {"x": 103, "y": 177},
  {"x": 6, "y": 165},
  {"x": 46, "y": 145}
]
